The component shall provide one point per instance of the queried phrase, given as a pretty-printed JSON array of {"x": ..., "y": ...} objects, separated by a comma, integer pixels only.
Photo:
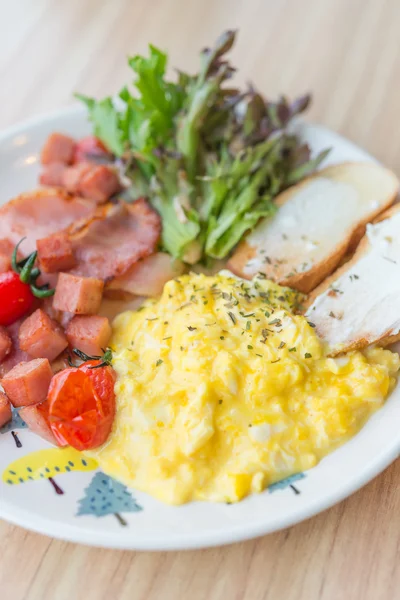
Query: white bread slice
[
  {"x": 359, "y": 304},
  {"x": 318, "y": 221}
]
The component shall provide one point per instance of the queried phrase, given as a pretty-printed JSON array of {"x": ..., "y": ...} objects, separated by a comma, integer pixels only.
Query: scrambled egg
[{"x": 222, "y": 391}]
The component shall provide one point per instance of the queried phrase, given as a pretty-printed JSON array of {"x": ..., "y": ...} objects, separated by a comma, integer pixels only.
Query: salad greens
[{"x": 210, "y": 158}]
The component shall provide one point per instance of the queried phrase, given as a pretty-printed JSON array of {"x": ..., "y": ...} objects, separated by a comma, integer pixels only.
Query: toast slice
[
  {"x": 359, "y": 304},
  {"x": 318, "y": 222}
]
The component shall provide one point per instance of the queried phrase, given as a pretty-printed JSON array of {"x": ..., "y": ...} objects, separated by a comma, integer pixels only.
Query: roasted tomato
[
  {"x": 90, "y": 149},
  {"x": 82, "y": 405}
]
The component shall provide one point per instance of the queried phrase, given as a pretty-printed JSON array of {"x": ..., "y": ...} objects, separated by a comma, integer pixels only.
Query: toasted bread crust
[
  {"x": 346, "y": 266},
  {"x": 387, "y": 337},
  {"x": 308, "y": 280}
]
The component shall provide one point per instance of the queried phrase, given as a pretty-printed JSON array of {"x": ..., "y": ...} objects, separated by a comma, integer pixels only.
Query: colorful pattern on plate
[
  {"x": 285, "y": 483},
  {"x": 45, "y": 464},
  {"x": 15, "y": 423},
  {"x": 106, "y": 496}
]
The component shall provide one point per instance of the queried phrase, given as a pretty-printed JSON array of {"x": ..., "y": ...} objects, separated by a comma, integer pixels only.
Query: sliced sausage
[
  {"x": 36, "y": 417},
  {"x": 5, "y": 409},
  {"x": 28, "y": 382},
  {"x": 78, "y": 295},
  {"x": 42, "y": 337},
  {"x": 52, "y": 174},
  {"x": 89, "y": 333},
  {"x": 5, "y": 343},
  {"x": 99, "y": 184},
  {"x": 58, "y": 148},
  {"x": 55, "y": 253}
]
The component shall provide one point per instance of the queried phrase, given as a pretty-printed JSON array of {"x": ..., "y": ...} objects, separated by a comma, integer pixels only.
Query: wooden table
[{"x": 347, "y": 53}]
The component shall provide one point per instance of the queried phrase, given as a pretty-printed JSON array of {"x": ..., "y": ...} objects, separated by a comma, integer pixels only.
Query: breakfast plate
[{"x": 75, "y": 501}]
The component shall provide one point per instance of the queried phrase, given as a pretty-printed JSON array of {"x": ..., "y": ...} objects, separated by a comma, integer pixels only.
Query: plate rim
[
  {"x": 185, "y": 540},
  {"x": 206, "y": 539}
]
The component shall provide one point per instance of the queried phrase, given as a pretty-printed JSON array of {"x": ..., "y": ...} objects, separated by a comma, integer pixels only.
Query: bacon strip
[
  {"x": 147, "y": 277},
  {"x": 40, "y": 213},
  {"x": 109, "y": 247}
]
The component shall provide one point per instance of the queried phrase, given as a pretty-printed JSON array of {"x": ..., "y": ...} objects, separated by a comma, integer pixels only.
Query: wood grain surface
[{"x": 347, "y": 53}]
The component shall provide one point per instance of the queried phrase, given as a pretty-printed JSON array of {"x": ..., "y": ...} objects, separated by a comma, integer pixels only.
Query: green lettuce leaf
[
  {"x": 210, "y": 158},
  {"x": 106, "y": 122}
]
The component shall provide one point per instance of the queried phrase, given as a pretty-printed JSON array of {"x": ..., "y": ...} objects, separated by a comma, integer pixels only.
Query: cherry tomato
[
  {"x": 16, "y": 298},
  {"x": 88, "y": 147},
  {"x": 82, "y": 405},
  {"x": 18, "y": 288}
]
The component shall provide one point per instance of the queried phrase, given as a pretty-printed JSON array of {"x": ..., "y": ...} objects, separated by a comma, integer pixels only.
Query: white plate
[{"x": 36, "y": 506}]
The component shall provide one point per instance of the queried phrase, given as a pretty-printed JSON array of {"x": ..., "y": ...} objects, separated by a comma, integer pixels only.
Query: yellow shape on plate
[
  {"x": 47, "y": 463},
  {"x": 222, "y": 390}
]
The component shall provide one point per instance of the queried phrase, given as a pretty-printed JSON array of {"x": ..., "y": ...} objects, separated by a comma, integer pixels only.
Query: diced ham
[
  {"x": 42, "y": 337},
  {"x": 36, "y": 417},
  {"x": 109, "y": 247},
  {"x": 52, "y": 174},
  {"x": 65, "y": 317},
  {"x": 36, "y": 215},
  {"x": 60, "y": 316},
  {"x": 58, "y": 148},
  {"x": 16, "y": 355},
  {"x": 90, "y": 334},
  {"x": 72, "y": 176},
  {"x": 5, "y": 409},
  {"x": 99, "y": 183},
  {"x": 90, "y": 148},
  {"x": 55, "y": 253},
  {"x": 28, "y": 382},
  {"x": 47, "y": 305},
  {"x": 5, "y": 343},
  {"x": 147, "y": 277},
  {"x": 78, "y": 295},
  {"x": 96, "y": 182}
]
